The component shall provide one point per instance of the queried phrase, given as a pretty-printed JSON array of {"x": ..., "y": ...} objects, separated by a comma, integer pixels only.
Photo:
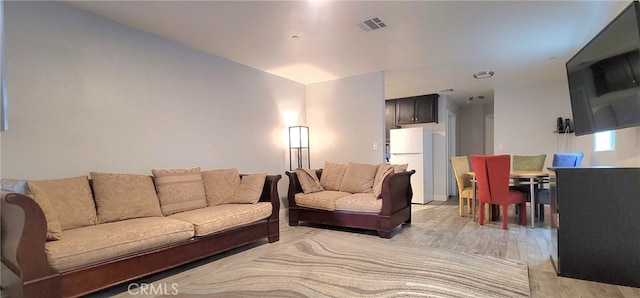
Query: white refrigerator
[{"x": 414, "y": 146}]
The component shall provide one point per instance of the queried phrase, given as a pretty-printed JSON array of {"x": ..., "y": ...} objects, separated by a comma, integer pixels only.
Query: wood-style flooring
[
  {"x": 434, "y": 225},
  {"x": 439, "y": 225}
]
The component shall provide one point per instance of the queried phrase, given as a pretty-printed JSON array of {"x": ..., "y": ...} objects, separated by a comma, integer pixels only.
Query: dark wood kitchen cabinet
[
  {"x": 390, "y": 117},
  {"x": 417, "y": 109}
]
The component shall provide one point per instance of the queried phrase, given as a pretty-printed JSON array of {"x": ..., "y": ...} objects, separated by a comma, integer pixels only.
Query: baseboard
[{"x": 440, "y": 198}]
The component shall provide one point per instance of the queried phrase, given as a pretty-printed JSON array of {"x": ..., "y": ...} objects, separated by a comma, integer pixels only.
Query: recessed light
[
  {"x": 446, "y": 90},
  {"x": 476, "y": 98},
  {"x": 483, "y": 74},
  {"x": 295, "y": 37}
]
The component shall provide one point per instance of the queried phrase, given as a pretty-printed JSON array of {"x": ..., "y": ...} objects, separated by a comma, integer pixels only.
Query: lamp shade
[{"x": 299, "y": 137}]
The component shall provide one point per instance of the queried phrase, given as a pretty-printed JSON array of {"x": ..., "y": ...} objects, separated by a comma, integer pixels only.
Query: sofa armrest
[
  {"x": 24, "y": 233},
  {"x": 396, "y": 192},
  {"x": 294, "y": 186},
  {"x": 270, "y": 194}
]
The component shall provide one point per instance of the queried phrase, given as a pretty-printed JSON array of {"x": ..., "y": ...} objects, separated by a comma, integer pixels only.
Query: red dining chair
[{"x": 492, "y": 176}]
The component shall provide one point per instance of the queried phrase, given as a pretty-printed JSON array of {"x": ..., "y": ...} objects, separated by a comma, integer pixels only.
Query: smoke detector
[{"x": 371, "y": 24}]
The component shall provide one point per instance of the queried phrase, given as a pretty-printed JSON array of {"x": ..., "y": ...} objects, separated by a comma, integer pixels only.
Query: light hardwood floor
[
  {"x": 438, "y": 224},
  {"x": 435, "y": 225}
]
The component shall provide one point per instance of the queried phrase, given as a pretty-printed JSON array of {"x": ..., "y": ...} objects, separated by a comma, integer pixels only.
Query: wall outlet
[
  {"x": 375, "y": 145},
  {"x": 500, "y": 146}
]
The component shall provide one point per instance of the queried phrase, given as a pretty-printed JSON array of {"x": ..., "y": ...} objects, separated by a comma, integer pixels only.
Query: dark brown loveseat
[
  {"x": 27, "y": 268},
  {"x": 393, "y": 209}
]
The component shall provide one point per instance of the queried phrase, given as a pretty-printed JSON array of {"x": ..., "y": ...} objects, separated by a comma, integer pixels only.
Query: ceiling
[{"x": 426, "y": 46}]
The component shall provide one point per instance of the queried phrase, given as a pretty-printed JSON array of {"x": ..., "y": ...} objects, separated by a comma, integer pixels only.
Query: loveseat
[
  {"x": 354, "y": 195},
  {"x": 73, "y": 236}
]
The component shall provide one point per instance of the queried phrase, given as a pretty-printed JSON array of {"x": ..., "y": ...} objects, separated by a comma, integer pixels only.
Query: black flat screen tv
[{"x": 604, "y": 77}]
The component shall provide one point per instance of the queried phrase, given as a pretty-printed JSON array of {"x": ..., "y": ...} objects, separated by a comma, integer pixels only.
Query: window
[{"x": 604, "y": 141}]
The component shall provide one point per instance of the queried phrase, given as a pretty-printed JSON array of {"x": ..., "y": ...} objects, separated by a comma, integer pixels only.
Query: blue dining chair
[{"x": 543, "y": 196}]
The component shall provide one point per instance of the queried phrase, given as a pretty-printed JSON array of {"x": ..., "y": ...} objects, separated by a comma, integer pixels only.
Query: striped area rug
[{"x": 322, "y": 266}]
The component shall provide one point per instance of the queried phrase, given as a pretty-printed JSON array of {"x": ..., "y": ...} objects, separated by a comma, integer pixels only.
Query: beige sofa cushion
[
  {"x": 124, "y": 196},
  {"x": 358, "y": 178},
  {"x": 101, "y": 242},
  {"x": 250, "y": 189},
  {"x": 383, "y": 171},
  {"x": 308, "y": 180},
  {"x": 218, "y": 218},
  {"x": 71, "y": 199},
  {"x": 332, "y": 175},
  {"x": 359, "y": 202},
  {"x": 179, "y": 190},
  {"x": 400, "y": 168},
  {"x": 220, "y": 185},
  {"x": 324, "y": 200},
  {"x": 54, "y": 230}
]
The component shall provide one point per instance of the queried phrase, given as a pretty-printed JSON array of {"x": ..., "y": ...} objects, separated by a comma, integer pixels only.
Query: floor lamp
[{"x": 299, "y": 142}]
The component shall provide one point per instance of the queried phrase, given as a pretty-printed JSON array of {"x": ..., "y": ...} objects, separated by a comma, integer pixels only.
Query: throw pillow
[
  {"x": 400, "y": 168},
  {"x": 249, "y": 190},
  {"x": 308, "y": 180},
  {"x": 383, "y": 171},
  {"x": 179, "y": 190},
  {"x": 332, "y": 175},
  {"x": 54, "y": 231},
  {"x": 220, "y": 185},
  {"x": 71, "y": 199},
  {"x": 358, "y": 178},
  {"x": 124, "y": 196}
]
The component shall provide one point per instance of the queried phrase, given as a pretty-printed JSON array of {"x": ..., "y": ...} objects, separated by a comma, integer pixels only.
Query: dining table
[{"x": 534, "y": 179}]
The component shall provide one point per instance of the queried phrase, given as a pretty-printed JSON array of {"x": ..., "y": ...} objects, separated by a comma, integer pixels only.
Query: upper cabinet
[
  {"x": 390, "y": 117},
  {"x": 410, "y": 110},
  {"x": 417, "y": 109}
]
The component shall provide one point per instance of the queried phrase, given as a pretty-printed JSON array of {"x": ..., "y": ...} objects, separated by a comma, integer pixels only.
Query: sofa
[
  {"x": 354, "y": 195},
  {"x": 73, "y": 236}
]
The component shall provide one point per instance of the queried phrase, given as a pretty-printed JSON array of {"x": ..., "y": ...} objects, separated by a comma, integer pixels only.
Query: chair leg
[
  {"x": 504, "y": 216},
  {"x": 481, "y": 214},
  {"x": 541, "y": 212},
  {"x": 461, "y": 204},
  {"x": 523, "y": 213}
]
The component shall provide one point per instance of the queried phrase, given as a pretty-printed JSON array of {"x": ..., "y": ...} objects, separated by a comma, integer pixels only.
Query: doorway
[
  {"x": 488, "y": 135},
  {"x": 451, "y": 151}
]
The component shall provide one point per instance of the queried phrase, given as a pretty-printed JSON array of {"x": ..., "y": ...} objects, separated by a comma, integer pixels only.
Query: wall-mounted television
[{"x": 604, "y": 77}]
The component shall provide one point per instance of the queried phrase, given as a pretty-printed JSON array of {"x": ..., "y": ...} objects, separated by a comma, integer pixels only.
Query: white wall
[
  {"x": 525, "y": 118},
  {"x": 626, "y": 154},
  {"x": 345, "y": 119},
  {"x": 87, "y": 94}
]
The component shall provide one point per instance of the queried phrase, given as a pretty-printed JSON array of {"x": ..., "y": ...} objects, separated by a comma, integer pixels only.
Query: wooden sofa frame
[
  {"x": 23, "y": 251},
  {"x": 396, "y": 207}
]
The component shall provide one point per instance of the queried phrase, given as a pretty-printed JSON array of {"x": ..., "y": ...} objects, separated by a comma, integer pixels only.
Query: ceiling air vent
[{"x": 372, "y": 24}]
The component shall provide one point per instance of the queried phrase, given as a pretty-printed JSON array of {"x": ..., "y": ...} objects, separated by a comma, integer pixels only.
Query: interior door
[{"x": 488, "y": 135}]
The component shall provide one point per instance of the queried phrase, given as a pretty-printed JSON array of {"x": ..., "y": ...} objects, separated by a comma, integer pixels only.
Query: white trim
[{"x": 440, "y": 198}]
